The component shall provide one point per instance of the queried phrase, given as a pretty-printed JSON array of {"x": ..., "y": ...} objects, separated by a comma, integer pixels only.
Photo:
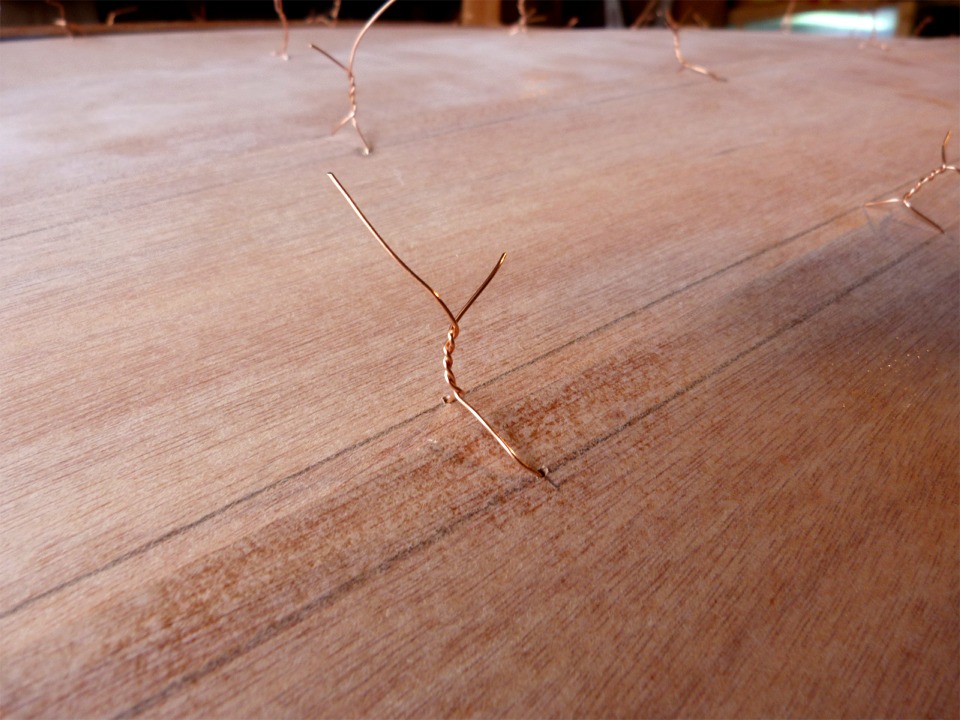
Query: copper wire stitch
[
  {"x": 329, "y": 19},
  {"x": 675, "y": 29},
  {"x": 114, "y": 14},
  {"x": 456, "y": 394},
  {"x": 646, "y": 15},
  {"x": 907, "y": 196},
  {"x": 873, "y": 40},
  {"x": 786, "y": 22},
  {"x": 526, "y": 18},
  {"x": 282, "y": 52},
  {"x": 68, "y": 27},
  {"x": 351, "y": 117}
]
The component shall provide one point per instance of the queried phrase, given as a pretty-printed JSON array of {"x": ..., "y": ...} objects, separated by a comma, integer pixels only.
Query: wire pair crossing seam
[{"x": 453, "y": 332}]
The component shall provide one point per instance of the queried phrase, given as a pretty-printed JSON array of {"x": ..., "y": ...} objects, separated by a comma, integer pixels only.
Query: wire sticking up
[
  {"x": 113, "y": 14},
  {"x": 908, "y": 195},
  {"x": 329, "y": 19},
  {"x": 282, "y": 52},
  {"x": 921, "y": 25},
  {"x": 873, "y": 40},
  {"x": 351, "y": 117},
  {"x": 456, "y": 394},
  {"x": 68, "y": 27},
  {"x": 649, "y": 12},
  {"x": 527, "y": 17},
  {"x": 786, "y": 22},
  {"x": 199, "y": 12},
  {"x": 675, "y": 29}
]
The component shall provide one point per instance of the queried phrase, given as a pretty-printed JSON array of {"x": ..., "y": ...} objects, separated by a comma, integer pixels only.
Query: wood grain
[{"x": 230, "y": 489}]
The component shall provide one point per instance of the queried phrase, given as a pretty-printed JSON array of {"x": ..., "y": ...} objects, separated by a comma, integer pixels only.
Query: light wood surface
[{"x": 230, "y": 489}]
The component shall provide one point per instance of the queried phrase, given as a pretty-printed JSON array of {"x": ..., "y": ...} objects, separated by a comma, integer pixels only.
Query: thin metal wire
[
  {"x": 675, "y": 29},
  {"x": 921, "y": 25},
  {"x": 351, "y": 117},
  {"x": 873, "y": 40},
  {"x": 282, "y": 52},
  {"x": 648, "y": 13},
  {"x": 457, "y": 393},
  {"x": 527, "y": 17},
  {"x": 786, "y": 22},
  {"x": 68, "y": 27},
  {"x": 908, "y": 195},
  {"x": 329, "y": 19},
  {"x": 113, "y": 14}
]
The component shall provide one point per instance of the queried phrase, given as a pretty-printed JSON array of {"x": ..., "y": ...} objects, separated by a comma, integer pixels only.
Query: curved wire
[
  {"x": 363, "y": 31},
  {"x": 383, "y": 243},
  {"x": 675, "y": 29},
  {"x": 908, "y": 195},
  {"x": 351, "y": 116},
  {"x": 452, "y": 333}
]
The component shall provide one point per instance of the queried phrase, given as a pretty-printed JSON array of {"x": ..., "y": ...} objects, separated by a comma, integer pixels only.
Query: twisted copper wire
[
  {"x": 453, "y": 332},
  {"x": 282, "y": 52},
  {"x": 873, "y": 40},
  {"x": 908, "y": 195},
  {"x": 62, "y": 21},
  {"x": 526, "y": 18},
  {"x": 330, "y": 18},
  {"x": 113, "y": 14},
  {"x": 786, "y": 22},
  {"x": 675, "y": 29},
  {"x": 644, "y": 17},
  {"x": 351, "y": 117}
]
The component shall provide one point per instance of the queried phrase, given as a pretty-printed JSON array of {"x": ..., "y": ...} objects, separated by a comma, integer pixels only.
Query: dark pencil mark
[
  {"x": 177, "y": 531},
  {"x": 303, "y": 612}
]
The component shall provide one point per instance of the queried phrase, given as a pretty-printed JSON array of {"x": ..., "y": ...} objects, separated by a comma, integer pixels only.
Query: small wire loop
[
  {"x": 453, "y": 332},
  {"x": 908, "y": 195}
]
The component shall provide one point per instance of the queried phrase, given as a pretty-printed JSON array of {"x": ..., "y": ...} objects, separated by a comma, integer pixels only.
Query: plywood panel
[{"x": 229, "y": 486}]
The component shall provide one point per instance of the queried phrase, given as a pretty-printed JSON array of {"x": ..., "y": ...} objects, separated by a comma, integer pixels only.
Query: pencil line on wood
[
  {"x": 297, "y": 616},
  {"x": 180, "y": 530},
  {"x": 836, "y": 297},
  {"x": 413, "y": 139}
]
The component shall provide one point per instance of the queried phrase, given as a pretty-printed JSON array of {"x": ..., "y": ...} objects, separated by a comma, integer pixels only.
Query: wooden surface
[{"x": 229, "y": 487}]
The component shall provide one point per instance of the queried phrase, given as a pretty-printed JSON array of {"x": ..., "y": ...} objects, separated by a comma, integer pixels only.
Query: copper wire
[
  {"x": 351, "y": 117},
  {"x": 873, "y": 40},
  {"x": 921, "y": 25},
  {"x": 457, "y": 392},
  {"x": 908, "y": 195},
  {"x": 786, "y": 22},
  {"x": 675, "y": 29},
  {"x": 329, "y": 19},
  {"x": 646, "y": 16},
  {"x": 282, "y": 52},
  {"x": 527, "y": 17},
  {"x": 62, "y": 21},
  {"x": 113, "y": 14}
]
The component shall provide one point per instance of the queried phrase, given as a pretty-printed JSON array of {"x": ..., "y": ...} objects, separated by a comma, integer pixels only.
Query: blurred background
[{"x": 924, "y": 18}]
